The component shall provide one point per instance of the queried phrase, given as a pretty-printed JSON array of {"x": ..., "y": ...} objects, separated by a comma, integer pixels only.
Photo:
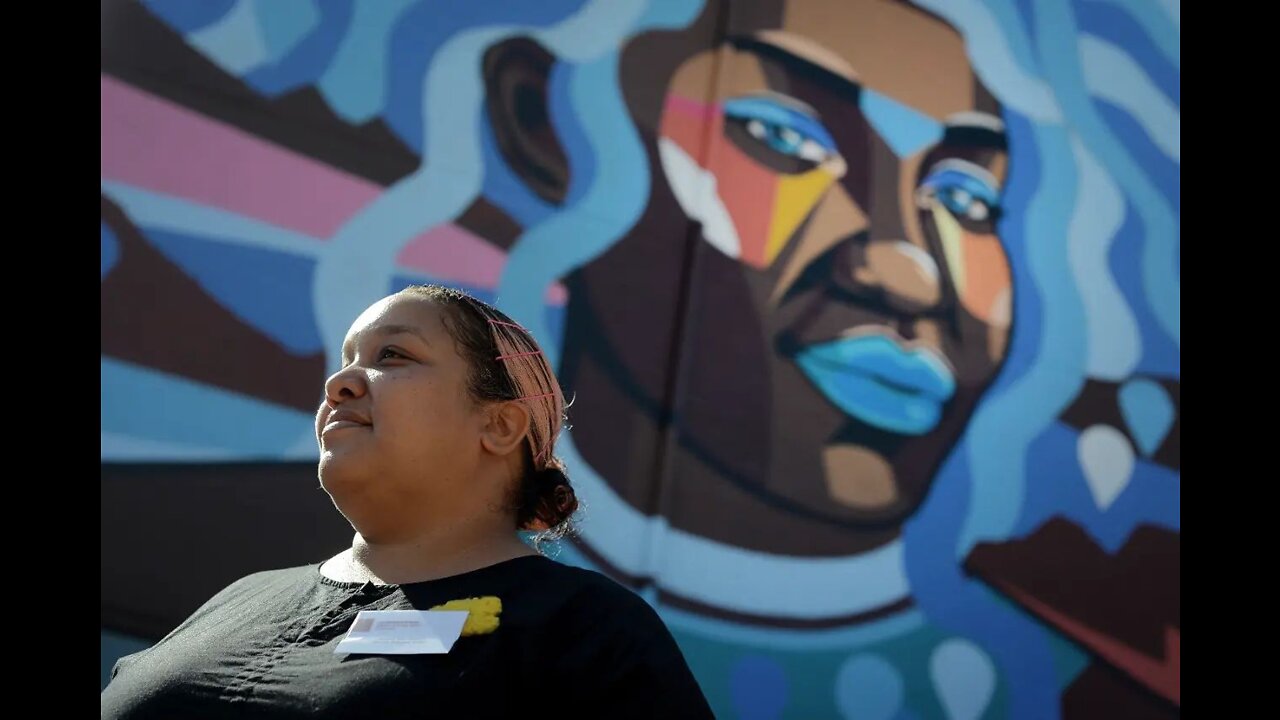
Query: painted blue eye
[
  {"x": 963, "y": 193},
  {"x": 782, "y": 129}
]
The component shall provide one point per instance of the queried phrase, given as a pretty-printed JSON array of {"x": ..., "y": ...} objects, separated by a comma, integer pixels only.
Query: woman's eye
[
  {"x": 964, "y": 195},
  {"x": 960, "y": 202},
  {"x": 785, "y": 140},
  {"x": 781, "y": 129},
  {"x": 387, "y": 353}
]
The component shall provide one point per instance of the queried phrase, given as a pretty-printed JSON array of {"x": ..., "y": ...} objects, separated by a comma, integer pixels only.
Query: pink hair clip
[
  {"x": 499, "y": 322},
  {"x": 516, "y": 355}
]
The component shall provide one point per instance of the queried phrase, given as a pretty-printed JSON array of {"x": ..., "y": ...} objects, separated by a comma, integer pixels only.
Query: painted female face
[{"x": 850, "y": 299}]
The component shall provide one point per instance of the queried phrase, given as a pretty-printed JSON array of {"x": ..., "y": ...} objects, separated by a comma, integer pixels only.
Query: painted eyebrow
[
  {"x": 794, "y": 64},
  {"x": 990, "y": 134},
  {"x": 965, "y": 129}
]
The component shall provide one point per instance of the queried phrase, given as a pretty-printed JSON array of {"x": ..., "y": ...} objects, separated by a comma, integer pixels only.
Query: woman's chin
[{"x": 339, "y": 472}]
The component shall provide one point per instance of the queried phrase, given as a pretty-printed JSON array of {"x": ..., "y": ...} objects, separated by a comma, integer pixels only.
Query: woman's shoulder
[
  {"x": 586, "y": 582},
  {"x": 611, "y": 643},
  {"x": 274, "y": 578},
  {"x": 592, "y": 599},
  {"x": 252, "y": 587}
]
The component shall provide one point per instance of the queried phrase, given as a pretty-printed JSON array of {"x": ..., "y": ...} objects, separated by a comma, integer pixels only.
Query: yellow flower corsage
[{"x": 483, "y": 613}]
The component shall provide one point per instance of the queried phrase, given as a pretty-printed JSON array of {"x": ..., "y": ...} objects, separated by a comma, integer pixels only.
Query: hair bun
[{"x": 554, "y": 499}]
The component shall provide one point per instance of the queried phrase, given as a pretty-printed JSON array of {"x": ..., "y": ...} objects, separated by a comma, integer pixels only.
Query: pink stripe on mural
[
  {"x": 157, "y": 145},
  {"x": 453, "y": 252}
]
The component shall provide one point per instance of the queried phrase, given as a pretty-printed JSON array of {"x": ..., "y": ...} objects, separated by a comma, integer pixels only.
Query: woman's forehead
[{"x": 399, "y": 313}]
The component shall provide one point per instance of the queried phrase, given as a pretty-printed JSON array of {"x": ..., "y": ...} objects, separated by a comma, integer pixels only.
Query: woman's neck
[{"x": 428, "y": 556}]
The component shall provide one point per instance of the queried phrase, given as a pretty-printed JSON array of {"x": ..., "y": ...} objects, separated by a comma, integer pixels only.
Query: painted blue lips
[{"x": 879, "y": 382}]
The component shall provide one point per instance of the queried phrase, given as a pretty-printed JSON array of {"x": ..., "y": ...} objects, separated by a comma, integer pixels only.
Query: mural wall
[{"x": 869, "y": 309}]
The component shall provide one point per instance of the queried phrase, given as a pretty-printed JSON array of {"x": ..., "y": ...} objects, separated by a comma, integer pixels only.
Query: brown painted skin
[{"x": 788, "y": 471}]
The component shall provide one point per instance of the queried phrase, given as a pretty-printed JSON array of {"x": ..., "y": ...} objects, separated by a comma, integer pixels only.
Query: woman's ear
[
  {"x": 505, "y": 428},
  {"x": 516, "y": 76}
]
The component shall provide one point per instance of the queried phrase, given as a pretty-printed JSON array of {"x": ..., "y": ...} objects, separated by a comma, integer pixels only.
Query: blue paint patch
[
  {"x": 1160, "y": 355},
  {"x": 234, "y": 43},
  {"x": 506, "y": 190},
  {"x": 572, "y": 134},
  {"x": 187, "y": 16},
  {"x": 284, "y": 25},
  {"x": 1117, "y": 26},
  {"x": 963, "y": 678},
  {"x": 422, "y": 31},
  {"x": 1068, "y": 660},
  {"x": 1160, "y": 169},
  {"x": 1059, "y": 51},
  {"x": 1148, "y": 411},
  {"x": 906, "y": 130},
  {"x": 110, "y": 249},
  {"x": 143, "y": 403},
  {"x": 1015, "y": 237},
  {"x": 1153, "y": 495},
  {"x": 868, "y": 686},
  {"x": 355, "y": 82},
  {"x": 758, "y": 688},
  {"x": 307, "y": 61},
  {"x": 268, "y": 290}
]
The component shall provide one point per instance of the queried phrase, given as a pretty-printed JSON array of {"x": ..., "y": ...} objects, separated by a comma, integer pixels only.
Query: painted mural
[{"x": 869, "y": 309}]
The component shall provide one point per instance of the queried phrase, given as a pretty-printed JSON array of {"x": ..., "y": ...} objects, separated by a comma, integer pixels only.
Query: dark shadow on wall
[{"x": 175, "y": 534}]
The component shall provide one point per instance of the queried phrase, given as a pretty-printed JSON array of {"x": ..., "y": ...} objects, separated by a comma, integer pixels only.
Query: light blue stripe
[
  {"x": 143, "y": 403},
  {"x": 1057, "y": 32},
  {"x": 1115, "y": 346},
  {"x": 906, "y": 130},
  {"x": 166, "y": 212},
  {"x": 1006, "y": 423},
  {"x": 235, "y": 42},
  {"x": 1113, "y": 76},
  {"x": 769, "y": 638},
  {"x": 1000, "y": 54},
  {"x": 1160, "y": 24},
  {"x": 355, "y": 83},
  {"x": 285, "y": 24}
]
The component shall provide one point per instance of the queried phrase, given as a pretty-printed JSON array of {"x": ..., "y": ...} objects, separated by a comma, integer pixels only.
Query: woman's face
[
  {"x": 398, "y": 431},
  {"x": 851, "y": 299}
]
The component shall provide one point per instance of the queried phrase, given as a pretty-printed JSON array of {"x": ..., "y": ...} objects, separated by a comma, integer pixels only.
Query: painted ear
[{"x": 516, "y": 75}]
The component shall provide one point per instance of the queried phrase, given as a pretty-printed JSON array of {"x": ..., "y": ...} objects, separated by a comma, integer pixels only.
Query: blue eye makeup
[
  {"x": 964, "y": 194},
  {"x": 783, "y": 129}
]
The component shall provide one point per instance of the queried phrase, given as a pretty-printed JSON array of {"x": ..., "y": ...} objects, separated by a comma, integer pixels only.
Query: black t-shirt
[{"x": 569, "y": 643}]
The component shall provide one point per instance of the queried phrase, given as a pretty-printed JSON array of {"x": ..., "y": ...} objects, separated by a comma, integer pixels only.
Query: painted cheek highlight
[
  {"x": 684, "y": 122},
  {"x": 764, "y": 207},
  {"x": 978, "y": 267},
  {"x": 795, "y": 199},
  {"x": 749, "y": 192},
  {"x": 989, "y": 281}
]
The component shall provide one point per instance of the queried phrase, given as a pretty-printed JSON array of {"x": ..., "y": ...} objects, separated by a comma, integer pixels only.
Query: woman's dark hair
[{"x": 506, "y": 365}]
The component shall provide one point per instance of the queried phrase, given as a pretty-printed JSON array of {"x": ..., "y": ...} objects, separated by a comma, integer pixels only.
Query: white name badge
[{"x": 403, "y": 632}]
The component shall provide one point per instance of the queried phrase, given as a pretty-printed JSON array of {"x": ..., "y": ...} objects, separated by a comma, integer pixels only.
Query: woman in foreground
[{"x": 437, "y": 443}]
